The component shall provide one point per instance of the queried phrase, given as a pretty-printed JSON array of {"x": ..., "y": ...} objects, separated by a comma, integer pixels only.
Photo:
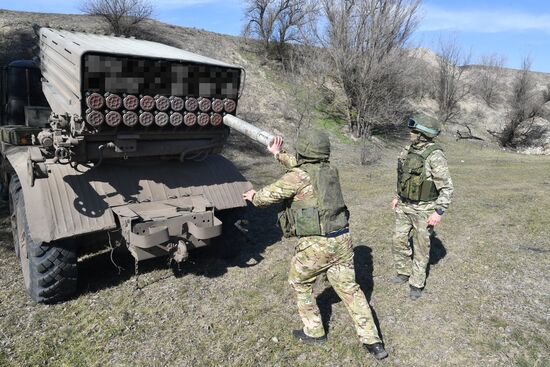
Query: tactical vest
[
  {"x": 412, "y": 183},
  {"x": 323, "y": 213}
]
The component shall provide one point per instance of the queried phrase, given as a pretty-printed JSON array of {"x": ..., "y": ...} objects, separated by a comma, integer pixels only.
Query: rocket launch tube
[{"x": 254, "y": 133}]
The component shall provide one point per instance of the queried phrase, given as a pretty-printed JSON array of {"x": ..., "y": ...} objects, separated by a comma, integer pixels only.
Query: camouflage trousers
[
  {"x": 315, "y": 256},
  {"x": 412, "y": 261}
]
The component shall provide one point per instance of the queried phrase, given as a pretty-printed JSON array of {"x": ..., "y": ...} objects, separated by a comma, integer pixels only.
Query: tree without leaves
[
  {"x": 122, "y": 15},
  {"x": 418, "y": 78},
  {"x": 546, "y": 94},
  {"x": 488, "y": 78},
  {"x": 308, "y": 79},
  {"x": 450, "y": 88},
  {"x": 365, "y": 42},
  {"x": 276, "y": 23},
  {"x": 525, "y": 104}
]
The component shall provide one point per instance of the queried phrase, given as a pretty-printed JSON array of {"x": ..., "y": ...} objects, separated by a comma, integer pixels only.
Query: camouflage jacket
[
  {"x": 437, "y": 171},
  {"x": 295, "y": 184}
]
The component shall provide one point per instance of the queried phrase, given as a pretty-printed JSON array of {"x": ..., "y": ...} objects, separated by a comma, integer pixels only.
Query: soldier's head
[
  {"x": 424, "y": 125},
  {"x": 312, "y": 145}
]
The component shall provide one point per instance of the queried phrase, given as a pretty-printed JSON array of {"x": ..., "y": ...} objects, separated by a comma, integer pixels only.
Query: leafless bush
[
  {"x": 546, "y": 94},
  {"x": 122, "y": 15},
  {"x": 364, "y": 40},
  {"x": 488, "y": 78},
  {"x": 276, "y": 23},
  {"x": 525, "y": 104},
  {"x": 417, "y": 79},
  {"x": 309, "y": 85},
  {"x": 450, "y": 88},
  {"x": 478, "y": 113}
]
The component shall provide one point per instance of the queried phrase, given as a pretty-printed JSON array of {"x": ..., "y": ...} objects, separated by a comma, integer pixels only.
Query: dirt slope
[{"x": 475, "y": 113}]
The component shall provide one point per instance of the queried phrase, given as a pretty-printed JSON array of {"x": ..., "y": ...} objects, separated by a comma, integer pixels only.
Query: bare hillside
[
  {"x": 266, "y": 100},
  {"x": 474, "y": 111}
]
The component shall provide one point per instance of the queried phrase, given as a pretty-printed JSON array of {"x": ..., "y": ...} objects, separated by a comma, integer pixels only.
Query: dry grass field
[
  {"x": 487, "y": 297},
  {"x": 486, "y": 301}
]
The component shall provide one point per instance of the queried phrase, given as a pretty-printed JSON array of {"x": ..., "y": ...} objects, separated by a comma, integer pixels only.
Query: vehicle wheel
[
  {"x": 229, "y": 244},
  {"x": 49, "y": 269}
]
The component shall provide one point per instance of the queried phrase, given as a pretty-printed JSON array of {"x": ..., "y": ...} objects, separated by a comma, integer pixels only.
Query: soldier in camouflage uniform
[
  {"x": 315, "y": 213},
  {"x": 424, "y": 192}
]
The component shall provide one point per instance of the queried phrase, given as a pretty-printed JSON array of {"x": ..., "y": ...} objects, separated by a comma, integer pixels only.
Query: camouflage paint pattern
[
  {"x": 286, "y": 159},
  {"x": 294, "y": 183},
  {"x": 411, "y": 219},
  {"x": 317, "y": 255}
]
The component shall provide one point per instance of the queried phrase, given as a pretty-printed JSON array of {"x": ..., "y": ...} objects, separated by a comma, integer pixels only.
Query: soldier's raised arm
[{"x": 276, "y": 148}]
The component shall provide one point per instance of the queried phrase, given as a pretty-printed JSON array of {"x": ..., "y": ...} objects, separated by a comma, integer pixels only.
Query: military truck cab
[{"x": 21, "y": 89}]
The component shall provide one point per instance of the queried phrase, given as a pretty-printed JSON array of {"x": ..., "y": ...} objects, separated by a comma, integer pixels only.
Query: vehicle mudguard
[{"x": 76, "y": 200}]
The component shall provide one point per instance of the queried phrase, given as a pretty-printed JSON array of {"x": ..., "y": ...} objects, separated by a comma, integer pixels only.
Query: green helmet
[
  {"x": 425, "y": 125},
  {"x": 313, "y": 144}
]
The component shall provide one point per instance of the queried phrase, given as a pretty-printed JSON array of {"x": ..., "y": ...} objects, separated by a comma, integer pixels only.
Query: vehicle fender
[{"x": 76, "y": 200}]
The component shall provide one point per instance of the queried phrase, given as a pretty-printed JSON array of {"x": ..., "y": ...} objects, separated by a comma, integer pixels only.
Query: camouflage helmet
[
  {"x": 313, "y": 144},
  {"x": 425, "y": 125}
]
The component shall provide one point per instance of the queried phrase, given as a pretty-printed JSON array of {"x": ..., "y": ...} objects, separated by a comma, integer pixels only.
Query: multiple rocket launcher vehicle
[{"x": 125, "y": 141}]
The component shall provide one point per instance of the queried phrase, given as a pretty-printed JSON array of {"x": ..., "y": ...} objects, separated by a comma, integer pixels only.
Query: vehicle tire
[
  {"x": 229, "y": 244},
  {"x": 49, "y": 269}
]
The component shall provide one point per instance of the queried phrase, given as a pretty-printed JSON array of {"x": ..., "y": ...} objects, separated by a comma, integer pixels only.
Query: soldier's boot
[
  {"x": 303, "y": 337},
  {"x": 416, "y": 293},
  {"x": 377, "y": 350},
  {"x": 399, "y": 279}
]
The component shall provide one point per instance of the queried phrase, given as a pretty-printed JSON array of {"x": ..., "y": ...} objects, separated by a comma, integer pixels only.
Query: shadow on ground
[
  {"x": 363, "y": 274},
  {"x": 437, "y": 251},
  {"x": 110, "y": 268}
]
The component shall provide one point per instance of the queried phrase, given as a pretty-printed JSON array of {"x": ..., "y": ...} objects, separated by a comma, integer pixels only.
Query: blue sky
[{"x": 512, "y": 28}]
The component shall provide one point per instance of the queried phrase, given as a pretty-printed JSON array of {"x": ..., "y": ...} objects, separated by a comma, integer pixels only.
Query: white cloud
[{"x": 484, "y": 21}]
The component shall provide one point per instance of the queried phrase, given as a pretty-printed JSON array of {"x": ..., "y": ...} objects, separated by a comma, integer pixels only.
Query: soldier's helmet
[
  {"x": 425, "y": 125},
  {"x": 313, "y": 144}
]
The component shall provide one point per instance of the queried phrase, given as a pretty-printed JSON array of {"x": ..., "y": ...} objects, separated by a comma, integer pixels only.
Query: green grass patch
[
  {"x": 334, "y": 123},
  {"x": 3, "y": 358},
  {"x": 330, "y": 120},
  {"x": 533, "y": 347}
]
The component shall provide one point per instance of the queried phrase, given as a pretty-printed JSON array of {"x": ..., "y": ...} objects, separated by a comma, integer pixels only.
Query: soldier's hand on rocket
[
  {"x": 249, "y": 195},
  {"x": 434, "y": 219},
  {"x": 276, "y": 145},
  {"x": 393, "y": 203}
]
